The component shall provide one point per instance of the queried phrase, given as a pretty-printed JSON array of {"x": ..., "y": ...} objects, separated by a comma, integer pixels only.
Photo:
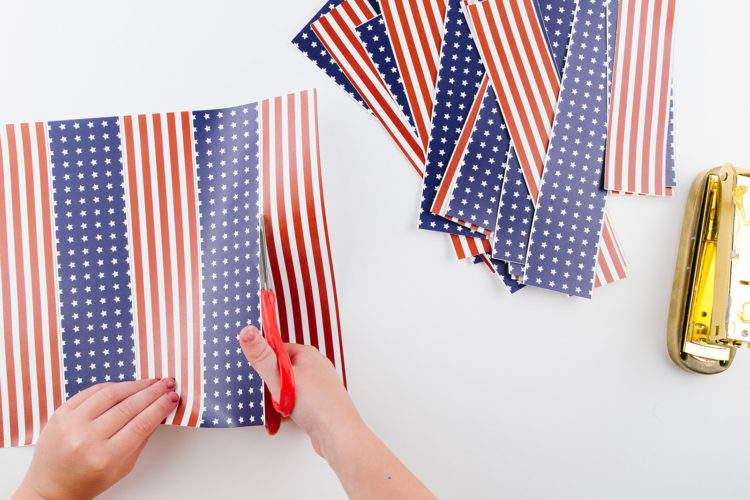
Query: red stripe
[
  {"x": 35, "y": 280},
  {"x": 285, "y": 235},
  {"x": 488, "y": 263},
  {"x": 330, "y": 259},
  {"x": 463, "y": 141},
  {"x": 472, "y": 246},
  {"x": 456, "y": 241},
  {"x": 20, "y": 281},
  {"x": 174, "y": 159},
  {"x": 137, "y": 252},
  {"x": 486, "y": 245},
  {"x": 647, "y": 124},
  {"x": 165, "y": 248},
  {"x": 195, "y": 268},
  {"x": 268, "y": 222},
  {"x": 49, "y": 266},
  {"x": 295, "y": 192},
  {"x": 10, "y": 370},
  {"x": 663, "y": 120},
  {"x": 603, "y": 267},
  {"x": 150, "y": 246}
]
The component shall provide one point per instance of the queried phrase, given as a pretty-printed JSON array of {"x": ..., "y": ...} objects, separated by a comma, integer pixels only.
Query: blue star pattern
[
  {"x": 476, "y": 195},
  {"x": 516, "y": 211},
  {"x": 503, "y": 273},
  {"x": 307, "y": 42},
  {"x": 557, "y": 19},
  {"x": 567, "y": 225},
  {"x": 459, "y": 76},
  {"x": 92, "y": 252},
  {"x": 226, "y": 149},
  {"x": 374, "y": 36},
  {"x": 515, "y": 214}
]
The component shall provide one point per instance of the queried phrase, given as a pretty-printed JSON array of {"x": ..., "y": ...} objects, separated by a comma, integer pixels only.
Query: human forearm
[{"x": 368, "y": 469}]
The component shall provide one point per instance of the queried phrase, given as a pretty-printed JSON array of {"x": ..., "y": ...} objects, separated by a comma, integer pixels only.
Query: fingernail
[
  {"x": 170, "y": 382},
  {"x": 248, "y": 334},
  {"x": 153, "y": 381},
  {"x": 174, "y": 397}
]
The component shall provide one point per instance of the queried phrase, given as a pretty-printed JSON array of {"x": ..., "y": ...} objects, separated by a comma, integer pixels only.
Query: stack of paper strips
[
  {"x": 129, "y": 248},
  {"x": 520, "y": 117}
]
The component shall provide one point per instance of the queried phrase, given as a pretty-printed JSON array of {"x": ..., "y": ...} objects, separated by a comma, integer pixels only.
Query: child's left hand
[{"x": 93, "y": 440}]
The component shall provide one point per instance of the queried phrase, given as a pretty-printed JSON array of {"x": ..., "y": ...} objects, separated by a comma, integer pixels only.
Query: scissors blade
[{"x": 265, "y": 266}]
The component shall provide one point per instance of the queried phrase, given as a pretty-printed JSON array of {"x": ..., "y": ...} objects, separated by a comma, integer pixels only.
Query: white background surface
[{"x": 483, "y": 395}]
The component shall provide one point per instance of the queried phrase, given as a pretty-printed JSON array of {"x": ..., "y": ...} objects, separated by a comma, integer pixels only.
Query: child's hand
[
  {"x": 93, "y": 440},
  {"x": 322, "y": 406}
]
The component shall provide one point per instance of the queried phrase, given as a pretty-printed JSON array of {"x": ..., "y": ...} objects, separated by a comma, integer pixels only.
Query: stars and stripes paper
[
  {"x": 502, "y": 271},
  {"x": 129, "y": 248},
  {"x": 568, "y": 222},
  {"x": 515, "y": 53},
  {"x": 637, "y": 146},
  {"x": 374, "y": 37},
  {"x": 515, "y": 213},
  {"x": 336, "y": 30},
  {"x": 415, "y": 29},
  {"x": 459, "y": 79},
  {"x": 464, "y": 245}
]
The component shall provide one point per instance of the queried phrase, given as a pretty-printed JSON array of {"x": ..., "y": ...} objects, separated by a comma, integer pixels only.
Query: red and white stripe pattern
[
  {"x": 336, "y": 30},
  {"x": 448, "y": 183},
  {"x": 510, "y": 40},
  {"x": 639, "y": 110},
  {"x": 30, "y": 354},
  {"x": 611, "y": 265},
  {"x": 295, "y": 222},
  {"x": 469, "y": 246},
  {"x": 415, "y": 29},
  {"x": 164, "y": 241}
]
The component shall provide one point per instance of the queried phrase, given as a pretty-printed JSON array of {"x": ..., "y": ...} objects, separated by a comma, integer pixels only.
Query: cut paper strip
[
  {"x": 637, "y": 146},
  {"x": 567, "y": 226},
  {"x": 374, "y": 37},
  {"x": 129, "y": 250},
  {"x": 415, "y": 29},
  {"x": 337, "y": 31},
  {"x": 462, "y": 245},
  {"x": 671, "y": 180},
  {"x": 611, "y": 265},
  {"x": 474, "y": 188},
  {"x": 307, "y": 42},
  {"x": 297, "y": 232},
  {"x": 500, "y": 269},
  {"x": 557, "y": 19},
  {"x": 459, "y": 79},
  {"x": 513, "y": 46},
  {"x": 467, "y": 246}
]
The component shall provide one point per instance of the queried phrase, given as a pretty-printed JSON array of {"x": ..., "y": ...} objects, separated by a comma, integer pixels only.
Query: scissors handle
[{"x": 285, "y": 404}]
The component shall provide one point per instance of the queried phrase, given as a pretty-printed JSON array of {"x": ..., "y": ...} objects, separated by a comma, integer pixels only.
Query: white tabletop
[{"x": 481, "y": 394}]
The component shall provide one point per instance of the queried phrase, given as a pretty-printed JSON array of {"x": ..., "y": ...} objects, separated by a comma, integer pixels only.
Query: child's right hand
[
  {"x": 323, "y": 409},
  {"x": 322, "y": 406}
]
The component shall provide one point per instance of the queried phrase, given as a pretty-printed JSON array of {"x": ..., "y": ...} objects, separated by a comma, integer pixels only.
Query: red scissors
[{"x": 284, "y": 406}]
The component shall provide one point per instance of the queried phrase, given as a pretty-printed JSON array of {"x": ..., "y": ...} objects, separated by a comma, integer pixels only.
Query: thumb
[{"x": 261, "y": 357}]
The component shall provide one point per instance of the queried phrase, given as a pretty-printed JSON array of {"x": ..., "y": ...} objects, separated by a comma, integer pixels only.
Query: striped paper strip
[
  {"x": 639, "y": 115},
  {"x": 415, "y": 29},
  {"x": 296, "y": 227},
  {"x": 30, "y": 384},
  {"x": 337, "y": 31}
]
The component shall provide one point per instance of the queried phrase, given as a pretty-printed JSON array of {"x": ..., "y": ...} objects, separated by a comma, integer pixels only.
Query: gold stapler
[{"x": 709, "y": 314}]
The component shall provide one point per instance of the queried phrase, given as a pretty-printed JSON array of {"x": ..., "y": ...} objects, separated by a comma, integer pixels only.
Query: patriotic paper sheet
[
  {"x": 460, "y": 77},
  {"x": 639, "y": 121},
  {"x": 129, "y": 249},
  {"x": 416, "y": 34},
  {"x": 568, "y": 222}
]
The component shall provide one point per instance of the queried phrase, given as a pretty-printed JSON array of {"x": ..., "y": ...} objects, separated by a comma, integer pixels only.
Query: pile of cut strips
[{"x": 519, "y": 116}]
